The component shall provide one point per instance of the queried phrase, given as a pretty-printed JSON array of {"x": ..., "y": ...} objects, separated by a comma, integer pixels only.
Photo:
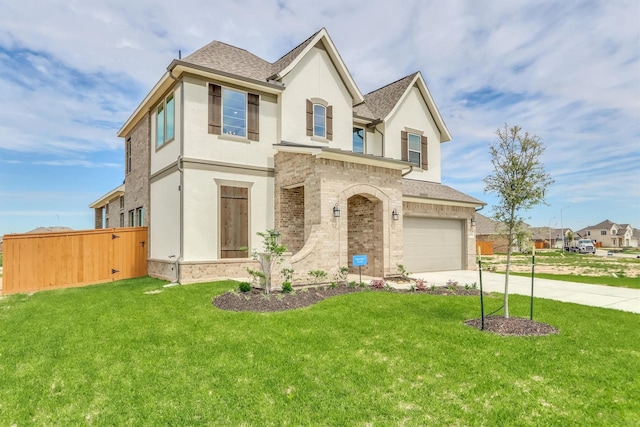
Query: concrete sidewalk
[{"x": 580, "y": 293}]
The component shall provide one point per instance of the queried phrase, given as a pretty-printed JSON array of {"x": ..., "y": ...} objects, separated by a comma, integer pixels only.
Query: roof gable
[{"x": 289, "y": 61}]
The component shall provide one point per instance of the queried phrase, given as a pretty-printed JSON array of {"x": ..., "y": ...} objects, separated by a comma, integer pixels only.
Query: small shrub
[
  {"x": 421, "y": 285},
  {"x": 257, "y": 277},
  {"x": 287, "y": 274},
  {"x": 244, "y": 287},
  {"x": 286, "y": 287},
  {"x": 377, "y": 284},
  {"x": 433, "y": 288},
  {"x": 402, "y": 270},
  {"x": 451, "y": 284},
  {"x": 341, "y": 275},
  {"x": 318, "y": 276},
  {"x": 353, "y": 284},
  {"x": 362, "y": 284},
  {"x": 412, "y": 288},
  {"x": 334, "y": 285}
]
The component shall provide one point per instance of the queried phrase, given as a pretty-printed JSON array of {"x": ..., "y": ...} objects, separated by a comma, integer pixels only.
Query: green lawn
[
  {"x": 113, "y": 355},
  {"x": 611, "y": 271}
]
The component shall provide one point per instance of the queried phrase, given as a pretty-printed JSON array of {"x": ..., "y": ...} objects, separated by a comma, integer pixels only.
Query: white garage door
[{"x": 432, "y": 244}]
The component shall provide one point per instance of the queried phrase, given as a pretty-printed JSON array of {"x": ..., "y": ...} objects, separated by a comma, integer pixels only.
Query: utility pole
[{"x": 562, "y": 225}]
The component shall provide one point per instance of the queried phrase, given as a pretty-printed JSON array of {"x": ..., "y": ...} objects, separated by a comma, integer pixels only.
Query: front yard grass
[{"x": 115, "y": 354}]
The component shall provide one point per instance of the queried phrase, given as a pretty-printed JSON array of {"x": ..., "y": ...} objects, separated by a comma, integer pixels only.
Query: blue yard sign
[{"x": 359, "y": 260}]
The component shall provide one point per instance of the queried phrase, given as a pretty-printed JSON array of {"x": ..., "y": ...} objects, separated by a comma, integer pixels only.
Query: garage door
[{"x": 432, "y": 244}]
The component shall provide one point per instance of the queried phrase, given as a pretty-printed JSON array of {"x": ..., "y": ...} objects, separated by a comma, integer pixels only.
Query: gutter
[{"x": 181, "y": 171}]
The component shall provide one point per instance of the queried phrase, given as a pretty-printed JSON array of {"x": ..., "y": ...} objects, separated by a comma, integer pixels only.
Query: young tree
[{"x": 519, "y": 180}]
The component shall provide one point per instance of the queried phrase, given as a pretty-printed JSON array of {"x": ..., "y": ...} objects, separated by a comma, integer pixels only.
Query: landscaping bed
[{"x": 256, "y": 300}]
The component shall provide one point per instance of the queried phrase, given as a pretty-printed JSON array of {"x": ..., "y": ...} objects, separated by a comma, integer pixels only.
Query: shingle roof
[
  {"x": 290, "y": 56},
  {"x": 432, "y": 190},
  {"x": 485, "y": 225},
  {"x": 604, "y": 224},
  {"x": 362, "y": 110},
  {"x": 230, "y": 59},
  {"x": 233, "y": 60},
  {"x": 381, "y": 101}
]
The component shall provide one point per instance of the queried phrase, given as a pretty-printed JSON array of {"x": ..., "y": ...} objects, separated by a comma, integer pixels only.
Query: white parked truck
[{"x": 584, "y": 246}]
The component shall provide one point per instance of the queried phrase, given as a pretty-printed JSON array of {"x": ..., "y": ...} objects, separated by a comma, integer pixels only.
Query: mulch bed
[
  {"x": 256, "y": 300},
  {"x": 515, "y": 326}
]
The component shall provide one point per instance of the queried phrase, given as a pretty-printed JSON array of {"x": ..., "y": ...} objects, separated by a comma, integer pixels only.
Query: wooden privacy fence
[
  {"x": 34, "y": 262},
  {"x": 486, "y": 248}
]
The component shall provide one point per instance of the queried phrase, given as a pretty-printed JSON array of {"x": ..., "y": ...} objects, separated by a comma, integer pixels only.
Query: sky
[{"x": 72, "y": 71}]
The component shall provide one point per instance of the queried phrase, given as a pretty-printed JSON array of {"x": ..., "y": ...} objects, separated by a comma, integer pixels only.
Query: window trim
[
  {"x": 128, "y": 155},
  {"x": 161, "y": 111},
  {"x": 364, "y": 139},
  {"x": 424, "y": 147},
  {"x": 216, "y": 113},
  {"x": 246, "y": 112},
  {"x": 328, "y": 119},
  {"x": 139, "y": 217}
]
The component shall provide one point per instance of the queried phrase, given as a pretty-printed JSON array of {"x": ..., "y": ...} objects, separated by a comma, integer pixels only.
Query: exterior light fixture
[
  {"x": 336, "y": 211},
  {"x": 394, "y": 214},
  {"x": 473, "y": 222}
]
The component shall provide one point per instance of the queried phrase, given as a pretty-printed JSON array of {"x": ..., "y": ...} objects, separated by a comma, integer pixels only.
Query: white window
[
  {"x": 358, "y": 140},
  {"x": 165, "y": 121},
  {"x": 234, "y": 112},
  {"x": 414, "y": 149},
  {"x": 319, "y": 120}
]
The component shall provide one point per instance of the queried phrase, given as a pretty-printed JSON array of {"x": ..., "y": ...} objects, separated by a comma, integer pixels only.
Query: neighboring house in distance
[
  {"x": 548, "y": 237},
  {"x": 109, "y": 209},
  {"x": 610, "y": 234},
  {"x": 227, "y": 144},
  {"x": 488, "y": 230}
]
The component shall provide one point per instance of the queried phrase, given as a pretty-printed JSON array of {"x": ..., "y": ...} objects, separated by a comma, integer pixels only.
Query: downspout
[{"x": 181, "y": 171}]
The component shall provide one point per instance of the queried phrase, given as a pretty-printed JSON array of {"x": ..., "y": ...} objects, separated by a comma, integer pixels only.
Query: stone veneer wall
[
  {"x": 327, "y": 183},
  {"x": 137, "y": 181},
  {"x": 194, "y": 272},
  {"x": 292, "y": 208},
  {"x": 365, "y": 234},
  {"x": 430, "y": 210}
]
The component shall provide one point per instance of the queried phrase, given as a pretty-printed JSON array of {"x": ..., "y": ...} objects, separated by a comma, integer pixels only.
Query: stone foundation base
[{"x": 202, "y": 271}]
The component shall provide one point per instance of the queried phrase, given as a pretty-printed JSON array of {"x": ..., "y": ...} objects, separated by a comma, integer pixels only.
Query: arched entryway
[{"x": 365, "y": 233}]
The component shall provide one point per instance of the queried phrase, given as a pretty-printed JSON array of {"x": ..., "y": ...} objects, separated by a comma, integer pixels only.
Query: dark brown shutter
[
  {"x": 234, "y": 222},
  {"x": 425, "y": 159},
  {"x": 330, "y": 122},
  {"x": 404, "y": 144},
  {"x": 253, "y": 108},
  {"x": 215, "y": 109},
  {"x": 309, "y": 118}
]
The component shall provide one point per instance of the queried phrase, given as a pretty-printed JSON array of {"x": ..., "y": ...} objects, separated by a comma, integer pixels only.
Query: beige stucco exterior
[{"x": 294, "y": 181}]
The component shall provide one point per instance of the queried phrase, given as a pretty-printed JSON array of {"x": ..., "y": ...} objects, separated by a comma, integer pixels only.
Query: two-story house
[
  {"x": 227, "y": 144},
  {"x": 609, "y": 234}
]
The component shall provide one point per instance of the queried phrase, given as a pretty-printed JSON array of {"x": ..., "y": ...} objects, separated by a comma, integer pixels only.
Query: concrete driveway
[{"x": 579, "y": 293}]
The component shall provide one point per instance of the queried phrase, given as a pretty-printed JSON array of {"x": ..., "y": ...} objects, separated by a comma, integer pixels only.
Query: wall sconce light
[
  {"x": 336, "y": 211},
  {"x": 473, "y": 222},
  {"x": 394, "y": 215}
]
